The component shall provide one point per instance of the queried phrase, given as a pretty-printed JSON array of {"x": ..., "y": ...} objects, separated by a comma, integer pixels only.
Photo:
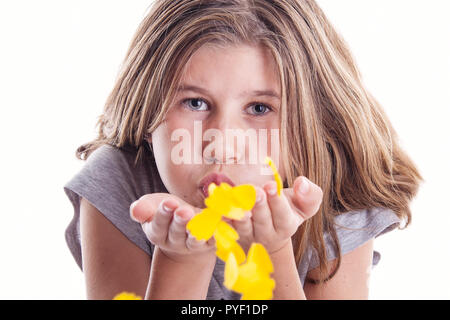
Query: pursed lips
[{"x": 217, "y": 178}]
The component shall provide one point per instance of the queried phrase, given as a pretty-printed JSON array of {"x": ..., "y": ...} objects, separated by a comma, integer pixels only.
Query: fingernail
[
  {"x": 178, "y": 218},
  {"x": 303, "y": 188},
  {"x": 133, "y": 218},
  {"x": 259, "y": 196},
  {"x": 131, "y": 211},
  {"x": 166, "y": 209},
  {"x": 272, "y": 189}
]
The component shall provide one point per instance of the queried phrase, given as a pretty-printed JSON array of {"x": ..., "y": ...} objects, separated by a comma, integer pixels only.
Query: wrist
[
  {"x": 191, "y": 258},
  {"x": 186, "y": 279},
  {"x": 288, "y": 283},
  {"x": 285, "y": 247}
]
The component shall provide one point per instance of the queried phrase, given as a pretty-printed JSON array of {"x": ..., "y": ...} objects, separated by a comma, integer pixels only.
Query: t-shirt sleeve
[
  {"x": 110, "y": 184},
  {"x": 355, "y": 228}
]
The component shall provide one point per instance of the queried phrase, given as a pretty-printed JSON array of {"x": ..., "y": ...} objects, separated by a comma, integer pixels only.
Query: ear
[{"x": 148, "y": 137}]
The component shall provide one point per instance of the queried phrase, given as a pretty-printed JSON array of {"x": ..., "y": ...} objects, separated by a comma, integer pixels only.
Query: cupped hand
[
  {"x": 274, "y": 219},
  {"x": 163, "y": 218}
]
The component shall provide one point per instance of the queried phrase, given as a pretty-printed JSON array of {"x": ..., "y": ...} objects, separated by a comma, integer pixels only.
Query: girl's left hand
[{"x": 274, "y": 219}]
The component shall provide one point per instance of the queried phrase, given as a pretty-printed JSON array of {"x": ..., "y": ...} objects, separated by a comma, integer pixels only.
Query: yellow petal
[
  {"x": 244, "y": 196},
  {"x": 255, "y": 271},
  {"x": 211, "y": 188},
  {"x": 230, "y": 272},
  {"x": 226, "y": 237},
  {"x": 224, "y": 230},
  {"x": 258, "y": 255},
  {"x": 264, "y": 291},
  {"x": 127, "y": 296},
  {"x": 220, "y": 199},
  {"x": 203, "y": 225},
  {"x": 235, "y": 213},
  {"x": 222, "y": 252},
  {"x": 277, "y": 177},
  {"x": 248, "y": 277},
  {"x": 252, "y": 283}
]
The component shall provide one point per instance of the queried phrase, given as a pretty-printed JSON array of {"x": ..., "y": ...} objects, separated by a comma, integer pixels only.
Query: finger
[
  {"x": 307, "y": 197},
  {"x": 244, "y": 226},
  {"x": 177, "y": 230},
  {"x": 211, "y": 242},
  {"x": 289, "y": 194},
  {"x": 279, "y": 206},
  {"x": 157, "y": 229},
  {"x": 145, "y": 207},
  {"x": 261, "y": 215},
  {"x": 193, "y": 244}
]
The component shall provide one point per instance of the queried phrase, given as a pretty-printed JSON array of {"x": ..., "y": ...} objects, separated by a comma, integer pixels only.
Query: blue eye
[
  {"x": 260, "y": 109},
  {"x": 196, "y": 106}
]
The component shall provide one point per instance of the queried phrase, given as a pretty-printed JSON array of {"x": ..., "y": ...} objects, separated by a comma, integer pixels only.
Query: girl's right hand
[{"x": 164, "y": 220}]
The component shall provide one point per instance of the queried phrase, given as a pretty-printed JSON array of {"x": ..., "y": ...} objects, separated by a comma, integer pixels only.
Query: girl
[{"x": 255, "y": 66}]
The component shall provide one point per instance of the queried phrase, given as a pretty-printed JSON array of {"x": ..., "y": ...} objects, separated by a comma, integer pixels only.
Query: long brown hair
[{"x": 339, "y": 135}]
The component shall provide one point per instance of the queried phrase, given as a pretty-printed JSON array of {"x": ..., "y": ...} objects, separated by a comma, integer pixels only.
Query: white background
[{"x": 58, "y": 61}]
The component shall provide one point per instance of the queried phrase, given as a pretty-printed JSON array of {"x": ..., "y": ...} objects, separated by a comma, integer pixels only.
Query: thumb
[
  {"x": 144, "y": 209},
  {"x": 307, "y": 196}
]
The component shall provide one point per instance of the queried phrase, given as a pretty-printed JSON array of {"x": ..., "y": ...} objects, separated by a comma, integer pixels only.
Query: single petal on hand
[
  {"x": 224, "y": 230},
  {"x": 244, "y": 196},
  {"x": 203, "y": 225},
  {"x": 235, "y": 213},
  {"x": 220, "y": 200},
  {"x": 277, "y": 177}
]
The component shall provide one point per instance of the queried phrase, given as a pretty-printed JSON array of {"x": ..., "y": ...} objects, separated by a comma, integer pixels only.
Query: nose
[
  {"x": 219, "y": 140},
  {"x": 226, "y": 155}
]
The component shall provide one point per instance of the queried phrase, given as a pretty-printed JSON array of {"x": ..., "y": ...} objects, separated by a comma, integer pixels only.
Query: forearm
[
  {"x": 173, "y": 280},
  {"x": 287, "y": 281}
]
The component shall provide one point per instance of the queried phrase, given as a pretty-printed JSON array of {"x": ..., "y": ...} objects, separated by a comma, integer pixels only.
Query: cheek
[
  {"x": 171, "y": 173},
  {"x": 169, "y": 134},
  {"x": 162, "y": 146},
  {"x": 160, "y": 138}
]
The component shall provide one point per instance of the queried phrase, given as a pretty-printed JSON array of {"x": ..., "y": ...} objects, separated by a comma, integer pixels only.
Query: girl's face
[{"x": 223, "y": 93}]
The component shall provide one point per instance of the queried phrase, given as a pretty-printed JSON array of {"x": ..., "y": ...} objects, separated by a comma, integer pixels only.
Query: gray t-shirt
[{"x": 110, "y": 181}]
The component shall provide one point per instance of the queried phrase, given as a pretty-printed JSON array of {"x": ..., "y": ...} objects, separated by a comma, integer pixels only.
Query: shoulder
[
  {"x": 110, "y": 182},
  {"x": 355, "y": 231},
  {"x": 355, "y": 228},
  {"x": 114, "y": 170},
  {"x": 109, "y": 161},
  {"x": 349, "y": 281}
]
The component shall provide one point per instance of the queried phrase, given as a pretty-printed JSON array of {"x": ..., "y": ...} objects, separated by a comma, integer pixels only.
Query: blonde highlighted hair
[{"x": 339, "y": 136}]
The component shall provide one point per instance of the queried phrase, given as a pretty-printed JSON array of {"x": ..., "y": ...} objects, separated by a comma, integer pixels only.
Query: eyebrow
[{"x": 268, "y": 93}]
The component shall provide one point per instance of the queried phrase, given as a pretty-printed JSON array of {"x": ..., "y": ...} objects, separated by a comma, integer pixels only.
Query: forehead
[{"x": 240, "y": 68}]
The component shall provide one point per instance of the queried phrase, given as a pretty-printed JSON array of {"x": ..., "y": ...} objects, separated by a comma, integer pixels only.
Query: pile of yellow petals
[
  {"x": 251, "y": 278},
  {"x": 127, "y": 296}
]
